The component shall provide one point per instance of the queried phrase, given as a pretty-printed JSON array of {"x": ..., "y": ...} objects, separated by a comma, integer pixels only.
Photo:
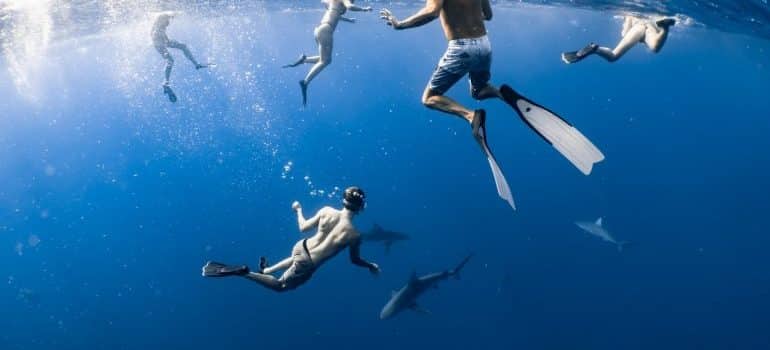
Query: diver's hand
[
  {"x": 389, "y": 19},
  {"x": 374, "y": 269},
  {"x": 296, "y": 206}
]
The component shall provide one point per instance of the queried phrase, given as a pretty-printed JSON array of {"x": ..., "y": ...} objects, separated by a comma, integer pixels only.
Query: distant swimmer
[
  {"x": 162, "y": 43},
  {"x": 635, "y": 30},
  {"x": 324, "y": 37},
  {"x": 470, "y": 53},
  {"x": 335, "y": 233}
]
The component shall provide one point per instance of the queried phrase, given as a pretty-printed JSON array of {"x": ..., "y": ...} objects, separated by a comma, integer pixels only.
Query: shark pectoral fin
[{"x": 416, "y": 308}]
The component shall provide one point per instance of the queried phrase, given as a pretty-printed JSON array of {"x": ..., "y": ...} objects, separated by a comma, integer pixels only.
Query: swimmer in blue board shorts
[{"x": 469, "y": 52}]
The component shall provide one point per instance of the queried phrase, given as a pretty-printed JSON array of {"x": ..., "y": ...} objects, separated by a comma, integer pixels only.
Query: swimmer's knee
[{"x": 427, "y": 97}]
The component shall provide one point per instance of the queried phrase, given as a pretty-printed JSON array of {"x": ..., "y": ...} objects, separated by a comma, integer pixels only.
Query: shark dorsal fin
[{"x": 599, "y": 221}]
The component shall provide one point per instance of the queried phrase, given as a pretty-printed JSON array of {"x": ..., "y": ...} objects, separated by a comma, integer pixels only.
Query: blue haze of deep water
[{"x": 111, "y": 198}]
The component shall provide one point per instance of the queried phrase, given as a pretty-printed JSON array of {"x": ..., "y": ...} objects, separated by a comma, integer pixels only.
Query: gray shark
[
  {"x": 596, "y": 229},
  {"x": 377, "y": 234},
  {"x": 406, "y": 297}
]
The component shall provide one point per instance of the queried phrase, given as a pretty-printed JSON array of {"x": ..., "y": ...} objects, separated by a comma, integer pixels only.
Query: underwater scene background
[{"x": 111, "y": 198}]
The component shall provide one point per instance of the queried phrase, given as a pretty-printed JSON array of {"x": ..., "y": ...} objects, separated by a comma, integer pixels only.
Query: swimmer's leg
[
  {"x": 633, "y": 36},
  {"x": 487, "y": 92},
  {"x": 312, "y": 59},
  {"x": 439, "y": 102},
  {"x": 267, "y": 281},
  {"x": 325, "y": 39},
  {"x": 302, "y": 59},
  {"x": 169, "y": 64},
  {"x": 282, "y": 265},
  {"x": 187, "y": 53},
  {"x": 656, "y": 34}
]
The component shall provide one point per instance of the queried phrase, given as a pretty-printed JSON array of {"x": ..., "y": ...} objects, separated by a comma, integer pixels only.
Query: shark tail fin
[
  {"x": 622, "y": 244},
  {"x": 456, "y": 271}
]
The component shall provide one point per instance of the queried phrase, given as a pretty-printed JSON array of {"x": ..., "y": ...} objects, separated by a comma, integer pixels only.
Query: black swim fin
[
  {"x": 303, "y": 86},
  {"x": 215, "y": 269},
  {"x": 171, "y": 95},
  {"x": 665, "y": 22},
  {"x": 263, "y": 264},
  {"x": 577, "y": 56}
]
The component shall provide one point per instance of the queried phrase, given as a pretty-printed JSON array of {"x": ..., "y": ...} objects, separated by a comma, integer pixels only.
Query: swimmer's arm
[
  {"x": 350, "y": 6},
  {"x": 355, "y": 257},
  {"x": 486, "y": 9},
  {"x": 427, "y": 14},
  {"x": 306, "y": 224},
  {"x": 349, "y": 20}
]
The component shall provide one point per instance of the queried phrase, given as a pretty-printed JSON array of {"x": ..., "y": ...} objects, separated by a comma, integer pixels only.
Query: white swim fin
[
  {"x": 555, "y": 130},
  {"x": 480, "y": 133}
]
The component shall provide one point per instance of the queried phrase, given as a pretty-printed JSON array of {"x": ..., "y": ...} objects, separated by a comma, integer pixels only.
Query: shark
[
  {"x": 595, "y": 228},
  {"x": 377, "y": 234},
  {"x": 406, "y": 297}
]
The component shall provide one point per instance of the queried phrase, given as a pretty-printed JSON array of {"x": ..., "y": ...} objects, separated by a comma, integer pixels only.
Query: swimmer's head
[
  {"x": 354, "y": 199},
  {"x": 164, "y": 18}
]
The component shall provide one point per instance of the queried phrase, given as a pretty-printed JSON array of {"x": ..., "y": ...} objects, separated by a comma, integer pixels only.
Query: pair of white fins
[{"x": 558, "y": 132}]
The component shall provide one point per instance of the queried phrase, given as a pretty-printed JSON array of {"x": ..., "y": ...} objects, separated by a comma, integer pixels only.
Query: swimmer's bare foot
[
  {"x": 665, "y": 22},
  {"x": 303, "y": 86},
  {"x": 299, "y": 61}
]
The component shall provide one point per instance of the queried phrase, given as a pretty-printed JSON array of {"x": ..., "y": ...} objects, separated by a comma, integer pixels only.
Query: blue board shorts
[{"x": 463, "y": 56}]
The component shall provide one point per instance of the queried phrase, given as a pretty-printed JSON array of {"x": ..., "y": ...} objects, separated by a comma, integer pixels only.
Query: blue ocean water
[{"x": 111, "y": 198}]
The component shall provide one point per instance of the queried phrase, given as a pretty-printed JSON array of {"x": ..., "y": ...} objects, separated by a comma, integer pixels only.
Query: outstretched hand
[
  {"x": 389, "y": 18},
  {"x": 296, "y": 206}
]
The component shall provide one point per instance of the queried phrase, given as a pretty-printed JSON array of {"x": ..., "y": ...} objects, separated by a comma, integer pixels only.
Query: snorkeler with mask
[{"x": 335, "y": 232}]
